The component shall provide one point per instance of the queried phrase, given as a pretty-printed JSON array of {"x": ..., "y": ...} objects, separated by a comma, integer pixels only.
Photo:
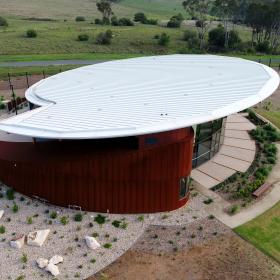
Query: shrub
[
  {"x": 3, "y": 22},
  {"x": 100, "y": 219},
  {"x": 189, "y": 34},
  {"x": 233, "y": 209},
  {"x": 93, "y": 260},
  {"x": 107, "y": 245},
  {"x": 271, "y": 160},
  {"x": 78, "y": 217},
  {"x": 80, "y": 18},
  {"x": 31, "y": 33},
  {"x": 10, "y": 194},
  {"x": 114, "y": 21},
  {"x": 104, "y": 38},
  {"x": 116, "y": 223},
  {"x": 23, "y": 258},
  {"x": 15, "y": 208},
  {"x": 263, "y": 47},
  {"x": 140, "y": 17},
  {"x": 83, "y": 37},
  {"x": 64, "y": 220},
  {"x": 208, "y": 201},
  {"x": 164, "y": 39},
  {"x": 125, "y": 22},
  {"x": 152, "y": 21},
  {"x": 53, "y": 215},
  {"x": 174, "y": 23},
  {"x": 2, "y": 229},
  {"x": 98, "y": 21},
  {"x": 29, "y": 220}
]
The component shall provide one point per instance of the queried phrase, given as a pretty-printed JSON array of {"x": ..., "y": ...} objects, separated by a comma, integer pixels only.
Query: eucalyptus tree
[
  {"x": 226, "y": 10},
  {"x": 200, "y": 9},
  {"x": 105, "y": 7}
]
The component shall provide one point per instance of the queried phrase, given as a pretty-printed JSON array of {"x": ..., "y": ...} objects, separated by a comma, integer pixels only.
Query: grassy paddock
[
  {"x": 21, "y": 71},
  {"x": 264, "y": 232},
  {"x": 273, "y": 116}
]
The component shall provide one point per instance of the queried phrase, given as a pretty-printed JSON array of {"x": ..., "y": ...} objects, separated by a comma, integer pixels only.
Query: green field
[
  {"x": 264, "y": 232},
  {"x": 67, "y": 9}
]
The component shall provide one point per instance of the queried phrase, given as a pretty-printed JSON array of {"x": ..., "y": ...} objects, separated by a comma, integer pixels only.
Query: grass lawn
[
  {"x": 273, "y": 116},
  {"x": 264, "y": 232}
]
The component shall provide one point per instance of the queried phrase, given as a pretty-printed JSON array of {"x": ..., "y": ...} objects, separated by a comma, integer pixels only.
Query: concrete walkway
[
  {"x": 259, "y": 207},
  {"x": 236, "y": 154}
]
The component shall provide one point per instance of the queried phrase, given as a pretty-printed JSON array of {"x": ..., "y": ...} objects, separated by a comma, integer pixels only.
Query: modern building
[{"x": 122, "y": 136}]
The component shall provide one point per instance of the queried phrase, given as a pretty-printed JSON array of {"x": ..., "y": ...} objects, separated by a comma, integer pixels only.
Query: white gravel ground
[{"x": 68, "y": 240}]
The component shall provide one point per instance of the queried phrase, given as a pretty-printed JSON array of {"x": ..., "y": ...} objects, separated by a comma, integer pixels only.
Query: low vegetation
[{"x": 240, "y": 186}]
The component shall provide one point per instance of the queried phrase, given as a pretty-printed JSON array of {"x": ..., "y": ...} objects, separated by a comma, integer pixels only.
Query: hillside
[{"x": 65, "y": 9}]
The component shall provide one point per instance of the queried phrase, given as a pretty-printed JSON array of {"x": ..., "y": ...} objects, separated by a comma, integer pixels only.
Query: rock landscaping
[{"x": 41, "y": 241}]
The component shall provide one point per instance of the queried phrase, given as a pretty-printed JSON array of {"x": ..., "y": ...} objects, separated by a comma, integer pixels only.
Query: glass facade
[{"x": 208, "y": 139}]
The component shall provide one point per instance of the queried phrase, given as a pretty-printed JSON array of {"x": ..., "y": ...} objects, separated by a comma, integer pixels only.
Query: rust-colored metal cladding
[{"x": 122, "y": 175}]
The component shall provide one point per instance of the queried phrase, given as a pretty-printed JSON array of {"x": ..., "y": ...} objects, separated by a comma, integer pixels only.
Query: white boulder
[
  {"x": 37, "y": 238},
  {"x": 18, "y": 241},
  {"x": 53, "y": 269},
  {"x": 1, "y": 213},
  {"x": 92, "y": 242},
  {"x": 56, "y": 259},
  {"x": 42, "y": 263}
]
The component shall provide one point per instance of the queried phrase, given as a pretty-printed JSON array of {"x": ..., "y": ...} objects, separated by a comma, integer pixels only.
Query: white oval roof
[{"x": 141, "y": 96}]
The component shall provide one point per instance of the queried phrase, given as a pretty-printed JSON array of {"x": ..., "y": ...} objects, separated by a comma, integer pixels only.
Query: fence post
[
  {"x": 260, "y": 60},
  {"x": 27, "y": 81},
  {"x": 269, "y": 62},
  {"x": 9, "y": 78},
  {"x": 44, "y": 75},
  {"x": 279, "y": 68},
  {"x": 14, "y": 98}
]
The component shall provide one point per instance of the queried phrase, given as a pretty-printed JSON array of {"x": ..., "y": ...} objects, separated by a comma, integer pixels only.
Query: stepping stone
[
  {"x": 240, "y": 143},
  {"x": 203, "y": 179},
  {"x": 239, "y": 134},
  {"x": 239, "y": 153},
  {"x": 37, "y": 238}
]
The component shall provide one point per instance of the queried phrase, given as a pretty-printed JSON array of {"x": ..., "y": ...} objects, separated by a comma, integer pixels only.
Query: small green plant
[
  {"x": 15, "y": 208},
  {"x": 116, "y": 223},
  {"x": 3, "y": 22},
  {"x": 124, "y": 225},
  {"x": 233, "y": 209},
  {"x": 29, "y": 220},
  {"x": 10, "y": 194},
  {"x": 21, "y": 277},
  {"x": 64, "y": 220},
  {"x": 100, "y": 219},
  {"x": 24, "y": 258},
  {"x": 200, "y": 228},
  {"x": 80, "y": 18},
  {"x": 107, "y": 245},
  {"x": 95, "y": 234},
  {"x": 208, "y": 201},
  {"x": 164, "y": 39},
  {"x": 83, "y": 37},
  {"x": 93, "y": 260},
  {"x": 141, "y": 218},
  {"x": 2, "y": 229},
  {"x": 78, "y": 217},
  {"x": 31, "y": 33},
  {"x": 163, "y": 217},
  {"x": 53, "y": 215}
]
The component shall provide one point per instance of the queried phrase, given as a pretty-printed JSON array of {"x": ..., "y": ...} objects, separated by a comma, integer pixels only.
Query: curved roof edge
[{"x": 15, "y": 128}]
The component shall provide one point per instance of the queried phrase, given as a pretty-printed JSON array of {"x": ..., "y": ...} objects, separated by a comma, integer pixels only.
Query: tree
[
  {"x": 200, "y": 10},
  {"x": 226, "y": 10},
  {"x": 264, "y": 19},
  {"x": 3, "y": 22},
  {"x": 140, "y": 17},
  {"x": 104, "y": 38},
  {"x": 104, "y": 6},
  {"x": 175, "y": 21}
]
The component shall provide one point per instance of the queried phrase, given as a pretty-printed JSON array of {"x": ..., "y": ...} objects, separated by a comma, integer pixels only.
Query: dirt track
[{"x": 221, "y": 255}]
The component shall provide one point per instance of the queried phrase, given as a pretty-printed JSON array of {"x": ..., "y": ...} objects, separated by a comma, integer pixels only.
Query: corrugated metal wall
[{"x": 99, "y": 179}]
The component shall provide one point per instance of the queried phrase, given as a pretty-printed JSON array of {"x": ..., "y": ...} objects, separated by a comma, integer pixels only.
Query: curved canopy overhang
[{"x": 142, "y": 96}]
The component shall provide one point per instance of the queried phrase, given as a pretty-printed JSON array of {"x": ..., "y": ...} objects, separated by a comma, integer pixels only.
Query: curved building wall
[{"x": 125, "y": 175}]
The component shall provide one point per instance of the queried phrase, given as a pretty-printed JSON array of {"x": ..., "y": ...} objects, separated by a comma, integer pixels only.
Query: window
[
  {"x": 184, "y": 187},
  {"x": 151, "y": 141}
]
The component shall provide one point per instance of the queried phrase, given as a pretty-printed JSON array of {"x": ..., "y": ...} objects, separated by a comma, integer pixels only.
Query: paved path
[
  {"x": 49, "y": 63},
  {"x": 236, "y": 154},
  {"x": 256, "y": 209}
]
